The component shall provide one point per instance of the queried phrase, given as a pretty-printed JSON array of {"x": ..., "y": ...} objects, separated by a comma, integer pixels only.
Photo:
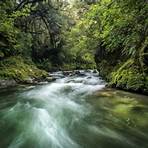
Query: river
[{"x": 74, "y": 111}]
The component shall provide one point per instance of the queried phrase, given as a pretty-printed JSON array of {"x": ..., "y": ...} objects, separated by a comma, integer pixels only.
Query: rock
[
  {"x": 32, "y": 81},
  {"x": 77, "y": 72},
  {"x": 50, "y": 79},
  {"x": 95, "y": 71},
  {"x": 7, "y": 83},
  {"x": 28, "y": 81},
  {"x": 36, "y": 81},
  {"x": 80, "y": 73},
  {"x": 88, "y": 70},
  {"x": 66, "y": 73},
  {"x": 56, "y": 75}
]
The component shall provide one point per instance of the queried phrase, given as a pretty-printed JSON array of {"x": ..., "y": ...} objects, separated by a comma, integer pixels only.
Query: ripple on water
[{"x": 68, "y": 113}]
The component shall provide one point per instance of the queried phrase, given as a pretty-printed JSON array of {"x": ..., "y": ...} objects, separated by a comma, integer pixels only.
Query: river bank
[
  {"x": 42, "y": 79},
  {"x": 17, "y": 70},
  {"x": 47, "y": 77},
  {"x": 125, "y": 76}
]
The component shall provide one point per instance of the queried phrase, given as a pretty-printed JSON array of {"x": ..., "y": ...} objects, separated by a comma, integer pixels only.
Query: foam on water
[
  {"x": 47, "y": 111},
  {"x": 66, "y": 114}
]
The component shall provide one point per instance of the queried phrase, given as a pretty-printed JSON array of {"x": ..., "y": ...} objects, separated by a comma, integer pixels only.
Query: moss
[
  {"x": 126, "y": 75},
  {"x": 19, "y": 69},
  {"x": 129, "y": 77}
]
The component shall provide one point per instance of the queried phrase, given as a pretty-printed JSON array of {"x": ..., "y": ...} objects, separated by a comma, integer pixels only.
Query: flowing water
[{"x": 72, "y": 112}]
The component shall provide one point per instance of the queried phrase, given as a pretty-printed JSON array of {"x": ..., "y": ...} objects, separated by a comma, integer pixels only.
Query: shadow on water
[{"x": 73, "y": 112}]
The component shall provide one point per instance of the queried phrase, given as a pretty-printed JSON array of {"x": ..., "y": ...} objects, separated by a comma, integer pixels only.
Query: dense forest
[{"x": 38, "y": 36}]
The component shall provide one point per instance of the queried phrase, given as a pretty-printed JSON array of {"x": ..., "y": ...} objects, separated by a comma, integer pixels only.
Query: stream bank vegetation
[{"x": 37, "y": 36}]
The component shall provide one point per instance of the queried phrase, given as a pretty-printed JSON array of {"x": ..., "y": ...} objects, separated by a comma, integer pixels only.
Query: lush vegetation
[
  {"x": 111, "y": 35},
  {"x": 118, "y": 33},
  {"x": 20, "y": 69}
]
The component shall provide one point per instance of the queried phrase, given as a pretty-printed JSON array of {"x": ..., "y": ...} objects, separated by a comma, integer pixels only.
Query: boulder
[
  {"x": 28, "y": 81},
  {"x": 66, "y": 73},
  {"x": 80, "y": 73},
  {"x": 50, "y": 79},
  {"x": 95, "y": 71}
]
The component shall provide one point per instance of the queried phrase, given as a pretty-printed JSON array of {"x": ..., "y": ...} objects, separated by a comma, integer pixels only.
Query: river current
[{"x": 74, "y": 111}]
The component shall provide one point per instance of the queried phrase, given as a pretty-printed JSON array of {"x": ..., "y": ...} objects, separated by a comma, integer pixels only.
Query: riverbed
[{"x": 74, "y": 111}]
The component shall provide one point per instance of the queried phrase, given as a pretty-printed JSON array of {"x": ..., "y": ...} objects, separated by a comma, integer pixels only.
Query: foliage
[
  {"x": 112, "y": 34},
  {"x": 117, "y": 30},
  {"x": 19, "y": 69},
  {"x": 128, "y": 76},
  {"x": 45, "y": 65},
  {"x": 13, "y": 40}
]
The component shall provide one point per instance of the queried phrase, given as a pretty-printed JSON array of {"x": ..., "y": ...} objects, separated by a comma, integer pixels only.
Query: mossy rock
[{"x": 17, "y": 68}]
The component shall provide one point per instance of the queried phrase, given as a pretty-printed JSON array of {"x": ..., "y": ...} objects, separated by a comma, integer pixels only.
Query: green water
[{"x": 72, "y": 112}]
